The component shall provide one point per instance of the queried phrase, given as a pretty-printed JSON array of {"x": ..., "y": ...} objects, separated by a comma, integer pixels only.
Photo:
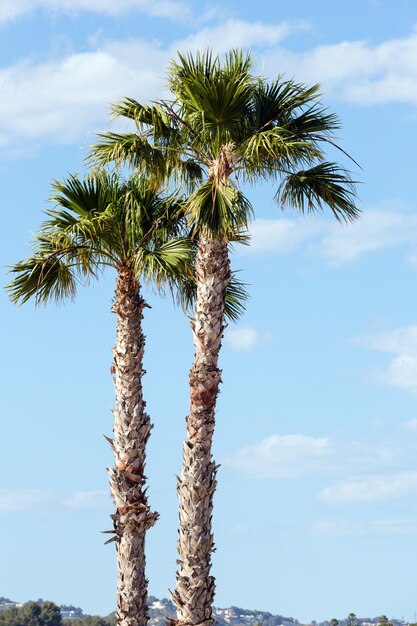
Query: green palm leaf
[
  {"x": 165, "y": 264},
  {"x": 43, "y": 278},
  {"x": 326, "y": 184},
  {"x": 99, "y": 221},
  {"x": 218, "y": 209}
]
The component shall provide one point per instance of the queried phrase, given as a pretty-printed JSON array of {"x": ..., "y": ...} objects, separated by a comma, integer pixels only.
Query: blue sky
[{"x": 316, "y": 510}]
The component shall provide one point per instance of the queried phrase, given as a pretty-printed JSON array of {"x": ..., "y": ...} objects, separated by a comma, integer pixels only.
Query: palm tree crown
[
  {"x": 97, "y": 222},
  {"x": 224, "y": 125}
]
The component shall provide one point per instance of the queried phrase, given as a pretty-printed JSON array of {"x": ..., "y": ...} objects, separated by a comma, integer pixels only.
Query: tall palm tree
[
  {"x": 99, "y": 222},
  {"x": 224, "y": 125}
]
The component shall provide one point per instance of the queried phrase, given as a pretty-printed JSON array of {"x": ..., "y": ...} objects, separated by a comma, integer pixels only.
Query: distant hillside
[{"x": 159, "y": 610}]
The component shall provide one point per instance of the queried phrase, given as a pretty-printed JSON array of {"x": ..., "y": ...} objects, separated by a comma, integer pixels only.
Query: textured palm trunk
[
  {"x": 131, "y": 432},
  {"x": 194, "y": 593}
]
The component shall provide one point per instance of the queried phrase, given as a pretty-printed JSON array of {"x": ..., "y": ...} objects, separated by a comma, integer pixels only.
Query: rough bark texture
[
  {"x": 195, "y": 587},
  {"x": 131, "y": 432}
]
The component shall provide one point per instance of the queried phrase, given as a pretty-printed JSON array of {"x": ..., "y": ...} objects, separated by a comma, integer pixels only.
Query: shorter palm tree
[{"x": 98, "y": 222}]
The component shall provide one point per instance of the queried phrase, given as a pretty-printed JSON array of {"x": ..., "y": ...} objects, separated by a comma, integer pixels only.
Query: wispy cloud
[
  {"x": 36, "y": 499},
  {"x": 291, "y": 456},
  {"x": 400, "y": 340},
  {"x": 237, "y": 33},
  {"x": 376, "y": 230},
  {"x": 85, "y": 499},
  {"x": 281, "y": 456},
  {"x": 73, "y": 94},
  {"x": 376, "y": 527},
  {"x": 246, "y": 338},
  {"x": 401, "y": 372},
  {"x": 356, "y": 71},
  {"x": 281, "y": 236},
  {"x": 371, "y": 488},
  {"x": 173, "y": 9},
  {"x": 337, "y": 244}
]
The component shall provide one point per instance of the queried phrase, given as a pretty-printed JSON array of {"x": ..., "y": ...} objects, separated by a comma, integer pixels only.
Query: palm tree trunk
[
  {"x": 131, "y": 432},
  {"x": 195, "y": 586}
]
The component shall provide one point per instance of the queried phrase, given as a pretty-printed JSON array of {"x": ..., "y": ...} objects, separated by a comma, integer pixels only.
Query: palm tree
[
  {"x": 352, "y": 619},
  {"x": 99, "y": 222},
  {"x": 222, "y": 126}
]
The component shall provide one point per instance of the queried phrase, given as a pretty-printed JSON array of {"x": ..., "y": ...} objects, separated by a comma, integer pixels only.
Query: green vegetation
[
  {"x": 41, "y": 613},
  {"x": 91, "y": 620}
]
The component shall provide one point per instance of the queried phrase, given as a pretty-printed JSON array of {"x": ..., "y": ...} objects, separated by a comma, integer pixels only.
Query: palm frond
[
  {"x": 165, "y": 264},
  {"x": 218, "y": 209},
  {"x": 268, "y": 152},
  {"x": 313, "y": 123},
  {"x": 236, "y": 299},
  {"x": 213, "y": 98},
  {"x": 133, "y": 110},
  {"x": 326, "y": 184},
  {"x": 127, "y": 148},
  {"x": 82, "y": 197},
  {"x": 84, "y": 214},
  {"x": 274, "y": 103},
  {"x": 43, "y": 278}
]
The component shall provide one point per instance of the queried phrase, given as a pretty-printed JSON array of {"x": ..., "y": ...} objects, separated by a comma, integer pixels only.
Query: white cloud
[
  {"x": 59, "y": 100},
  {"x": 401, "y": 372},
  {"x": 410, "y": 425},
  {"x": 377, "y": 527},
  {"x": 356, "y": 70},
  {"x": 246, "y": 338},
  {"x": 399, "y": 341},
  {"x": 291, "y": 456},
  {"x": 371, "y": 488},
  {"x": 25, "y": 500},
  {"x": 86, "y": 499},
  {"x": 36, "y": 499},
  {"x": 281, "y": 456},
  {"x": 280, "y": 236},
  {"x": 175, "y": 9},
  {"x": 375, "y": 230},
  {"x": 235, "y": 33},
  {"x": 338, "y": 244}
]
